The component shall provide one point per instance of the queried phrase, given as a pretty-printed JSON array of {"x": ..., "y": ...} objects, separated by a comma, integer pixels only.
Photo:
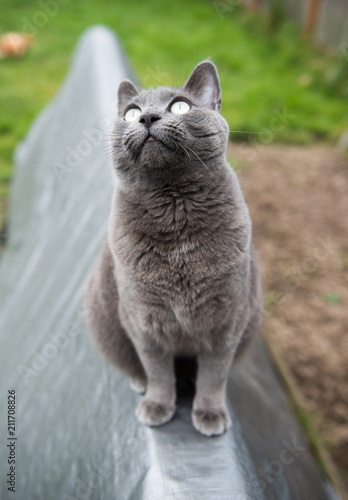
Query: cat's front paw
[
  {"x": 153, "y": 414},
  {"x": 211, "y": 422}
]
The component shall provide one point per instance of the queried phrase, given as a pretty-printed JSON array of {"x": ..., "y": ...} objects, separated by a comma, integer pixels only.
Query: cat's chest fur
[{"x": 175, "y": 254}]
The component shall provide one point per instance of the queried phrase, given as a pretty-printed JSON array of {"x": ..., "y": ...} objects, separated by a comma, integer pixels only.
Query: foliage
[{"x": 274, "y": 84}]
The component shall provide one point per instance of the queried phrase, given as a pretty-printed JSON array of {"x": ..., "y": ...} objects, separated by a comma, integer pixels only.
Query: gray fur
[{"x": 176, "y": 275}]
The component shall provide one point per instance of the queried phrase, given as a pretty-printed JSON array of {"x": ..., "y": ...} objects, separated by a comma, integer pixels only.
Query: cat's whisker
[
  {"x": 183, "y": 147},
  {"x": 200, "y": 160},
  {"x": 249, "y": 132},
  {"x": 205, "y": 135}
]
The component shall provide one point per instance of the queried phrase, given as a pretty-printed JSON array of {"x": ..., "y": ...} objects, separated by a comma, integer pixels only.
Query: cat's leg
[
  {"x": 158, "y": 405},
  {"x": 210, "y": 415}
]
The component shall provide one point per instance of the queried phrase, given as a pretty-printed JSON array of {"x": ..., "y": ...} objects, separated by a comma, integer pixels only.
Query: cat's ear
[
  {"x": 204, "y": 84},
  {"x": 126, "y": 92}
]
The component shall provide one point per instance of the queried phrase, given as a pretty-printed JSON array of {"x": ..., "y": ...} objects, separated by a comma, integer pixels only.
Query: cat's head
[{"x": 168, "y": 128}]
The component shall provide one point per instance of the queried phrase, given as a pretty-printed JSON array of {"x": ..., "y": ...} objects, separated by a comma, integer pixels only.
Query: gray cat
[{"x": 176, "y": 276}]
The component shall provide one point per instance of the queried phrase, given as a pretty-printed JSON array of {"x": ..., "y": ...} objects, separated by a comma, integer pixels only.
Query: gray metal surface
[{"x": 77, "y": 436}]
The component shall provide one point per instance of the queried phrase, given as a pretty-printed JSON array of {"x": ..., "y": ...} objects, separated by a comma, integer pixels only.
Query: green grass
[
  {"x": 315, "y": 441},
  {"x": 332, "y": 298},
  {"x": 309, "y": 425},
  {"x": 273, "y": 82}
]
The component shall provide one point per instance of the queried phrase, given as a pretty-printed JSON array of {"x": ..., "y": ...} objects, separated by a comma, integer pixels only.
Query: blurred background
[{"x": 284, "y": 75}]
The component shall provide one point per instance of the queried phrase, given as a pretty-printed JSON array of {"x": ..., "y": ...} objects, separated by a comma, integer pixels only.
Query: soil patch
[{"x": 298, "y": 201}]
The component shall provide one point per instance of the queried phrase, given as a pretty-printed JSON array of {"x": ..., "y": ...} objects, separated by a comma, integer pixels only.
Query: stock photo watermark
[
  {"x": 48, "y": 9},
  {"x": 74, "y": 155},
  {"x": 279, "y": 120},
  {"x": 11, "y": 441},
  {"x": 95, "y": 136},
  {"x": 259, "y": 481},
  {"x": 344, "y": 50},
  {"x": 290, "y": 452},
  {"x": 223, "y": 7},
  {"x": 49, "y": 351},
  {"x": 298, "y": 274},
  {"x": 84, "y": 488},
  {"x": 155, "y": 76}
]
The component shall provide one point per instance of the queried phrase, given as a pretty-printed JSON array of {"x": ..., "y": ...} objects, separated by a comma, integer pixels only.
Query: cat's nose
[{"x": 149, "y": 118}]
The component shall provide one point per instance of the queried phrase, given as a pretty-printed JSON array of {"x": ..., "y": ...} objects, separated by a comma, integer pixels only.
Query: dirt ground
[{"x": 298, "y": 201}]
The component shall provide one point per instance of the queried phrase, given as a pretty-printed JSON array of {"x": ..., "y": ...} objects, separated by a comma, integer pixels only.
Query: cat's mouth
[
  {"x": 151, "y": 144},
  {"x": 150, "y": 139}
]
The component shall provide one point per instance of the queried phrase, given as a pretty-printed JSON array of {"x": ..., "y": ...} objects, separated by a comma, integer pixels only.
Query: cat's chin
[
  {"x": 151, "y": 143},
  {"x": 155, "y": 154}
]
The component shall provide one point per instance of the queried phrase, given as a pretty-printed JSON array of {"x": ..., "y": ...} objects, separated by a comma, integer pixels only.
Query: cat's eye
[
  {"x": 132, "y": 114},
  {"x": 180, "y": 107}
]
